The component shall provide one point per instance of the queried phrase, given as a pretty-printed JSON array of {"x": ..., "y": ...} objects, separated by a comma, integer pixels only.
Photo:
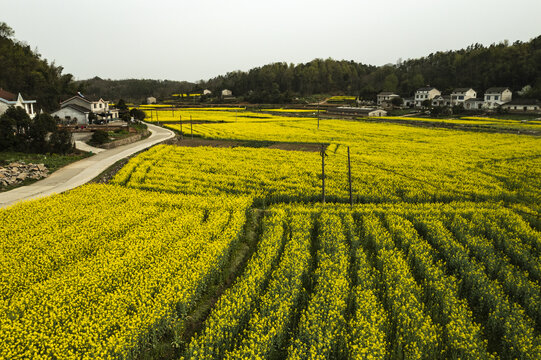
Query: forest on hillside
[
  {"x": 516, "y": 65},
  {"x": 480, "y": 67},
  {"x": 23, "y": 71}
]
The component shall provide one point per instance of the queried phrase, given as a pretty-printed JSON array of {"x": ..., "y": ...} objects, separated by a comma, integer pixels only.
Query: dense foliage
[
  {"x": 477, "y": 66},
  {"x": 40, "y": 135},
  {"x": 132, "y": 90},
  {"x": 24, "y": 71}
]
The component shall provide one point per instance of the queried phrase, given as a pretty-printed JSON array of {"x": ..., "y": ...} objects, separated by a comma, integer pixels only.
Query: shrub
[{"x": 99, "y": 137}]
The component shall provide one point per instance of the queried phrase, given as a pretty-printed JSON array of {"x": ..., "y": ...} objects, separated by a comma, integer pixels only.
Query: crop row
[{"x": 387, "y": 284}]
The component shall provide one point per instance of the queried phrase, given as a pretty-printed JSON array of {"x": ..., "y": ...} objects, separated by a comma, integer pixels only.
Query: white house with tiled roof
[
  {"x": 77, "y": 109},
  {"x": 8, "y": 99},
  {"x": 497, "y": 96},
  {"x": 460, "y": 95},
  {"x": 386, "y": 96},
  {"x": 425, "y": 93}
]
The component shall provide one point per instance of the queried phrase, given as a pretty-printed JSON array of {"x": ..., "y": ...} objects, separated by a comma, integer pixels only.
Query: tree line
[
  {"x": 24, "y": 71},
  {"x": 480, "y": 67},
  {"x": 516, "y": 65}
]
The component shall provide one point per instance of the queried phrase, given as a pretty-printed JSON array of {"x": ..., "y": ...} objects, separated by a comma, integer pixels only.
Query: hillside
[
  {"x": 132, "y": 90},
  {"x": 478, "y": 66},
  {"x": 24, "y": 71}
]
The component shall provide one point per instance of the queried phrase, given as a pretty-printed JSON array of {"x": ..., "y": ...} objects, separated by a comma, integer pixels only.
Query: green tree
[
  {"x": 42, "y": 125},
  {"x": 397, "y": 101},
  {"x": 8, "y": 139},
  {"x": 6, "y": 31},
  {"x": 61, "y": 141},
  {"x": 390, "y": 83}
]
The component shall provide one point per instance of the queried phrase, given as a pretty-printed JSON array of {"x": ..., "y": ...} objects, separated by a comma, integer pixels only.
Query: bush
[
  {"x": 61, "y": 141},
  {"x": 99, "y": 137}
]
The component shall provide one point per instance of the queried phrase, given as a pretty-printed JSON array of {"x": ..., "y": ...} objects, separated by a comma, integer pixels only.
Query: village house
[
  {"x": 425, "y": 93},
  {"x": 8, "y": 99},
  {"x": 474, "y": 104},
  {"x": 522, "y": 105},
  {"x": 77, "y": 110},
  {"x": 386, "y": 96},
  {"x": 227, "y": 93},
  {"x": 408, "y": 102},
  {"x": 151, "y": 100},
  {"x": 460, "y": 95},
  {"x": 440, "y": 100},
  {"x": 497, "y": 96},
  {"x": 207, "y": 92}
]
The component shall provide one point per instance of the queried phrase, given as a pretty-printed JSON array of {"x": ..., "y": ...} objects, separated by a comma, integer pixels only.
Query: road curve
[{"x": 82, "y": 171}]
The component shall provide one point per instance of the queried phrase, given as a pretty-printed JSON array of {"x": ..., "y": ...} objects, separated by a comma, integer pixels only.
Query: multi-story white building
[
  {"x": 425, "y": 93},
  {"x": 386, "y": 96},
  {"x": 8, "y": 99},
  {"x": 497, "y": 96},
  {"x": 78, "y": 108},
  {"x": 459, "y": 95}
]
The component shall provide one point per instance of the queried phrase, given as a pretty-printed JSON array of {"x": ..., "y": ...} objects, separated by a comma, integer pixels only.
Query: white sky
[{"x": 193, "y": 40}]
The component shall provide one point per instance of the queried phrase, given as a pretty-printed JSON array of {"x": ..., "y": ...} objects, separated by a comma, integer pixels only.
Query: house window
[
  {"x": 101, "y": 105},
  {"x": 496, "y": 97},
  {"x": 461, "y": 98}
]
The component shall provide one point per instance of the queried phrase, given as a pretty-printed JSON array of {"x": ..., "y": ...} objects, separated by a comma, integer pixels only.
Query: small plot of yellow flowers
[{"x": 341, "y": 98}]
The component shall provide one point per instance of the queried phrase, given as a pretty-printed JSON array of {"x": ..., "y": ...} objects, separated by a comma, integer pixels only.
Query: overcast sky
[{"x": 193, "y": 40}]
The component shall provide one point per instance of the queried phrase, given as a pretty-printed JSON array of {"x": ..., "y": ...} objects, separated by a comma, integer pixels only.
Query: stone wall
[
  {"x": 125, "y": 141},
  {"x": 16, "y": 173}
]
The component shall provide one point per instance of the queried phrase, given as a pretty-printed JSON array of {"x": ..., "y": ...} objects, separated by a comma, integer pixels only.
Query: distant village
[
  {"x": 494, "y": 98},
  {"x": 83, "y": 110}
]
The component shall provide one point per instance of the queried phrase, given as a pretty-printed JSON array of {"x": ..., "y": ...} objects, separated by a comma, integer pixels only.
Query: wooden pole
[
  {"x": 323, "y": 173},
  {"x": 349, "y": 176},
  {"x": 318, "y": 117},
  {"x": 180, "y": 121}
]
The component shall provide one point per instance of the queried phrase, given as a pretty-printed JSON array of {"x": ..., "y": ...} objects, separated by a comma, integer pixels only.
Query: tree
[
  {"x": 8, "y": 140},
  {"x": 397, "y": 101},
  {"x": 6, "y": 31},
  {"x": 137, "y": 114},
  {"x": 61, "y": 141},
  {"x": 42, "y": 125},
  {"x": 92, "y": 117},
  {"x": 390, "y": 83},
  {"x": 99, "y": 137},
  {"x": 121, "y": 105}
]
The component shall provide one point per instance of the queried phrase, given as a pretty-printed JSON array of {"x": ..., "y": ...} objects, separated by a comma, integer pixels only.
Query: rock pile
[{"x": 15, "y": 173}]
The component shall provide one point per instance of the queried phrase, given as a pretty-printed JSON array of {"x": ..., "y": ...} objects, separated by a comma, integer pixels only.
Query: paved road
[
  {"x": 80, "y": 143},
  {"x": 81, "y": 172}
]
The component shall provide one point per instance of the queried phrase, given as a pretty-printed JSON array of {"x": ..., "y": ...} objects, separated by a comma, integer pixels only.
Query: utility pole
[
  {"x": 180, "y": 121},
  {"x": 349, "y": 176},
  {"x": 323, "y": 154},
  {"x": 318, "y": 116}
]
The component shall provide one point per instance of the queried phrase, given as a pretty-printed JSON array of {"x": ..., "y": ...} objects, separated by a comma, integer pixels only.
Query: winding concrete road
[{"x": 82, "y": 171}]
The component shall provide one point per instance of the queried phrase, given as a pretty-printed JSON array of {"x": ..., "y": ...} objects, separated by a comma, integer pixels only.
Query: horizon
[{"x": 238, "y": 36}]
